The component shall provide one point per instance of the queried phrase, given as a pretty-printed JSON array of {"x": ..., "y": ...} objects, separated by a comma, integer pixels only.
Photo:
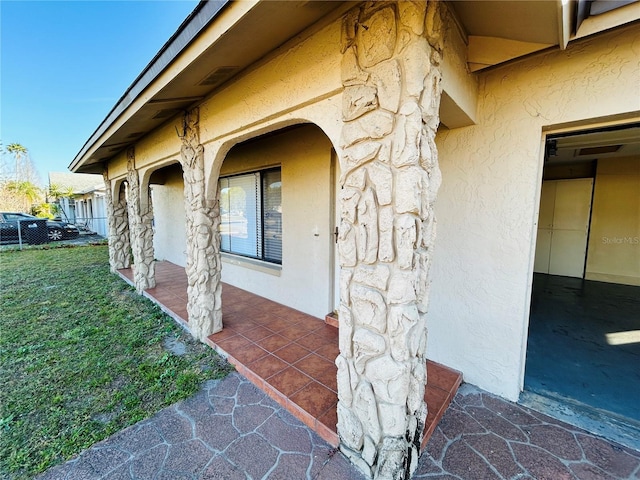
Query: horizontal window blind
[
  {"x": 272, "y": 198},
  {"x": 251, "y": 215}
]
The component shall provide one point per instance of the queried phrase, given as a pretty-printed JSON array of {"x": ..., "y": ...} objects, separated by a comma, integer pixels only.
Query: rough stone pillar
[
  {"x": 203, "y": 239},
  {"x": 119, "y": 246},
  {"x": 141, "y": 226},
  {"x": 391, "y": 78}
]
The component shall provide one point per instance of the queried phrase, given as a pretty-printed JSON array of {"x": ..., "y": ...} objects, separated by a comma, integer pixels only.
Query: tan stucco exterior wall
[
  {"x": 488, "y": 202},
  {"x": 169, "y": 232},
  {"x": 298, "y": 82},
  {"x": 614, "y": 239},
  {"x": 459, "y": 103}
]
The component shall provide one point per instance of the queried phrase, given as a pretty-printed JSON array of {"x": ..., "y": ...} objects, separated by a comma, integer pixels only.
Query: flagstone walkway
[
  {"x": 482, "y": 436},
  {"x": 229, "y": 430},
  {"x": 232, "y": 430}
]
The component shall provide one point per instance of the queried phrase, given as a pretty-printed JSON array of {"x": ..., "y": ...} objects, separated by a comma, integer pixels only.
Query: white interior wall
[
  {"x": 169, "y": 233},
  {"x": 487, "y": 205}
]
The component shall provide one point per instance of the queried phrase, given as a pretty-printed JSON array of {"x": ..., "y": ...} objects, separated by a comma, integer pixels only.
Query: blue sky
[{"x": 65, "y": 64}]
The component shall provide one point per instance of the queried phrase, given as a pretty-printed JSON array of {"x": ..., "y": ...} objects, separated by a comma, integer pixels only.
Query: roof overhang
[
  {"x": 216, "y": 42},
  {"x": 498, "y": 31},
  {"x": 221, "y": 38}
]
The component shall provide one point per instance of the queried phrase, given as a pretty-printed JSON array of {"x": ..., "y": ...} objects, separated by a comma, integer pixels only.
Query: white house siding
[
  {"x": 304, "y": 280},
  {"x": 169, "y": 237},
  {"x": 99, "y": 224},
  {"x": 488, "y": 202}
]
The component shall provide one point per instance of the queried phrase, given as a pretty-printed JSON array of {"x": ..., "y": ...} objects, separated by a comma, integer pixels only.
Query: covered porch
[{"x": 288, "y": 354}]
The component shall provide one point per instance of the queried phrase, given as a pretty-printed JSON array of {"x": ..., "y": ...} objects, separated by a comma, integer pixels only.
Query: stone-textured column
[
  {"x": 141, "y": 227},
  {"x": 119, "y": 246},
  {"x": 203, "y": 239},
  {"x": 391, "y": 77}
]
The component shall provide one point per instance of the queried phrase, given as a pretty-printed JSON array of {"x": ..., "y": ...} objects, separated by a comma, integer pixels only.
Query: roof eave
[{"x": 204, "y": 13}]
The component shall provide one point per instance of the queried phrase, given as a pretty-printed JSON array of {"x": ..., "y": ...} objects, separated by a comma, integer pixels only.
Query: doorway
[{"x": 583, "y": 351}]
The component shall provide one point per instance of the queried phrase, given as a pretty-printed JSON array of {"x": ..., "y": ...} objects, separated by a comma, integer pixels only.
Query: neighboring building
[
  {"x": 262, "y": 126},
  {"x": 85, "y": 203}
]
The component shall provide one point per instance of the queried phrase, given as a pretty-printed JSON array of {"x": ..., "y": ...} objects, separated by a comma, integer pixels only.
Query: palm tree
[
  {"x": 25, "y": 190},
  {"x": 56, "y": 191},
  {"x": 18, "y": 151}
]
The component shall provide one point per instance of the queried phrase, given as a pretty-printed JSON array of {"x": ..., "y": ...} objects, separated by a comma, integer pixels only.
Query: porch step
[
  {"x": 331, "y": 319},
  {"x": 442, "y": 385}
]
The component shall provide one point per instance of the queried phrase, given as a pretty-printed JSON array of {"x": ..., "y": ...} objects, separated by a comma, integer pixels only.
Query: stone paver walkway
[
  {"x": 229, "y": 430},
  {"x": 232, "y": 430},
  {"x": 484, "y": 437}
]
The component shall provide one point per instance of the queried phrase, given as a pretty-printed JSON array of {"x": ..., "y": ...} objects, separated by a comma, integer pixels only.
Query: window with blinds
[{"x": 251, "y": 215}]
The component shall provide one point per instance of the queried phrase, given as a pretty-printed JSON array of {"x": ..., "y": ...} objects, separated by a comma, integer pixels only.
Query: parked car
[{"x": 30, "y": 228}]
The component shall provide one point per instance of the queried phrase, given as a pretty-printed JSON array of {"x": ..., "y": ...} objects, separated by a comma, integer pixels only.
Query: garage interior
[{"x": 583, "y": 351}]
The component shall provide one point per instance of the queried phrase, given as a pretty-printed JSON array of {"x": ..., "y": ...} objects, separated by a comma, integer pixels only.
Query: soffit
[
  {"x": 498, "y": 31},
  {"x": 525, "y": 21},
  {"x": 246, "y": 41}
]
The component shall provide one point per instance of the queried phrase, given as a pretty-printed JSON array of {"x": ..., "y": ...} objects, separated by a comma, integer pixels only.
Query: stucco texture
[
  {"x": 169, "y": 237},
  {"x": 488, "y": 202}
]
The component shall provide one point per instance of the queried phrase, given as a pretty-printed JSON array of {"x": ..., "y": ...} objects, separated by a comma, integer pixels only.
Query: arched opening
[
  {"x": 169, "y": 230},
  {"x": 277, "y": 204},
  {"x": 277, "y": 196}
]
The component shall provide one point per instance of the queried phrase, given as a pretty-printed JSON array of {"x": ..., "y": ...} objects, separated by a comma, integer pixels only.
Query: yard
[{"x": 82, "y": 356}]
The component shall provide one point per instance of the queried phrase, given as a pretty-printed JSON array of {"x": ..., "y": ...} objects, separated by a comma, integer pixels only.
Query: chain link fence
[
  {"x": 38, "y": 231},
  {"x": 32, "y": 232}
]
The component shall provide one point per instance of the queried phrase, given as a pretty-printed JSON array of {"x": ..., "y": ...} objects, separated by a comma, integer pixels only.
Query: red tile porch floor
[{"x": 286, "y": 353}]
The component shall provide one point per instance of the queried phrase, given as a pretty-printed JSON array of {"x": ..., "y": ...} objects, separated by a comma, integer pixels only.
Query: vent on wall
[
  {"x": 116, "y": 146},
  {"x": 598, "y": 150},
  {"x": 169, "y": 112},
  {"x": 218, "y": 76}
]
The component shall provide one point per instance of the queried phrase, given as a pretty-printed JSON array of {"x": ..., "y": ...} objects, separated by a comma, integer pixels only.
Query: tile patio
[
  {"x": 231, "y": 429},
  {"x": 286, "y": 353}
]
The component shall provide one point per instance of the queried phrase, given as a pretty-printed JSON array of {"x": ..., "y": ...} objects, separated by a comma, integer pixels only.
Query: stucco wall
[
  {"x": 614, "y": 240},
  {"x": 305, "y": 278},
  {"x": 169, "y": 232},
  {"x": 488, "y": 201},
  {"x": 487, "y": 205}
]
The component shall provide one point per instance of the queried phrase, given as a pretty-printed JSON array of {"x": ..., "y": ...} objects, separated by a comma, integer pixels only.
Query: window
[{"x": 251, "y": 215}]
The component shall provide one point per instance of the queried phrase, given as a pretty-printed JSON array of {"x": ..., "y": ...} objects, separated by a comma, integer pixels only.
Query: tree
[
  {"x": 54, "y": 194},
  {"x": 24, "y": 192},
  {"x": 19, "y": 189},
  {"x": 57, "y": 192},
  {"x": 18, "y": 151}
]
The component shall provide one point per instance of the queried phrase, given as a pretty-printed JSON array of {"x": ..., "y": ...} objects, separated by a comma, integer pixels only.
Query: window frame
[{"x": 260, "y": 228}]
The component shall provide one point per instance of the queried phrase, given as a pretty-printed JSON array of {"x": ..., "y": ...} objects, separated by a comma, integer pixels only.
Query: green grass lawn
[{"x": 82, "y": 356}]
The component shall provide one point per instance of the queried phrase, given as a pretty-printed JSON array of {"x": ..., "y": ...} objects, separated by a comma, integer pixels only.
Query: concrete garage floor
[{"x": 584, "y": 353}]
